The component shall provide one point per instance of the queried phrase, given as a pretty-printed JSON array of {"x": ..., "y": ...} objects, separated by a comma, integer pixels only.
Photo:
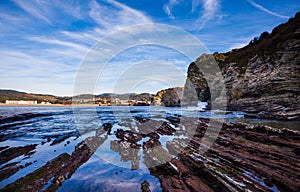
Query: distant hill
[{"x": 17, "y": 95}]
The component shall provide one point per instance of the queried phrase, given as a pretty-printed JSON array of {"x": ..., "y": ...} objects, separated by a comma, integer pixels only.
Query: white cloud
[
  {"x": 35, "y": 73},
  {"x": 260, "y": 7},
  {"x": 50, "y": 59},
  {"x": 36, "y": 9},
  {"x": 117, "y": 15},
  {"x": 195, "y": 4},
  {"x": 90, "y": 36},
  {"x": 9, "y": 22},
  {"x": 47, "y": 11},
  {"x": 169, "y": 6},
  {"x": 109, "y": 18},
  {"x": 70, "y": 7},
  {"x": 59, "y": 43},
  {"x": 27, "y": 62},
  {"x": 168, "y": 11},
  {"x": 210, "y": 10},
  {"x": 128, "y": 12}
]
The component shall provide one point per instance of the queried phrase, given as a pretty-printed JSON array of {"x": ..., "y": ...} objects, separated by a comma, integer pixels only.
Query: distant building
[
  {"x": 20, "y": 102},
  {"x": 45, "y": 103}
]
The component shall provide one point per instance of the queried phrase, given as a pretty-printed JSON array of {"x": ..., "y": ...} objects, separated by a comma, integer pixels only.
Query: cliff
[
  {"x": 262, "y": 78},
  {"x": 169, "y": 97}
]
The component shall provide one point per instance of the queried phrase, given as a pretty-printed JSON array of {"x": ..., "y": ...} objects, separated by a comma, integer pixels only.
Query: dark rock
[
  {"x": 248, "y": 154},
  {"x": 169, "y": 97},
  {"x": 297, "y": 151},
  {"x": 128, "y": 136},
  {"x": 196, "y": 184},
  {"x": 145, "y": 186},
  {"x": 153, "y": 135},
  {"x": 151, "y": 143},
  {"x": 10, "y": 169},
  {"x": 13, "y": 152},
  {"x": 107, "y": 127},
  {"x": 165, "y": 129}
]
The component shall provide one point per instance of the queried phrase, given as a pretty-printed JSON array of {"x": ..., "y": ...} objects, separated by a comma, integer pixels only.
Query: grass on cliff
[{"x": 264, "y": 45}]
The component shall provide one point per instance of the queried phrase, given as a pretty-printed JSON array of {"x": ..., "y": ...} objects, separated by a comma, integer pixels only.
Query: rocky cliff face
[
  {"x": 263, "y": 78},
  {"x": 270, "y": 87},
  {"x": 168, "y": 97},
  {"x": 196, "y": 81}
]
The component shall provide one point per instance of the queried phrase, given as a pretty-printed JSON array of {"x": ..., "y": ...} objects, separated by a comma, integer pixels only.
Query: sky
[{"x": 44, "y": 43}]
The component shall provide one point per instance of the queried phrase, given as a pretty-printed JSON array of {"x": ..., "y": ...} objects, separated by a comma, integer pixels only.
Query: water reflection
[{"x": 127, "y": 153}]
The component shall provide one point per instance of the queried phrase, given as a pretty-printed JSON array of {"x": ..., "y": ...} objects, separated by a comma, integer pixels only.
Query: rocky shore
[{"x": 244, "y": 157}]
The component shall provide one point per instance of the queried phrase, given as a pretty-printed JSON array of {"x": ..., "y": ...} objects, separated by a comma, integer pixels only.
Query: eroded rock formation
[
  {"x": 263, "y": 78},
  {"x": 168, "y": 97}
]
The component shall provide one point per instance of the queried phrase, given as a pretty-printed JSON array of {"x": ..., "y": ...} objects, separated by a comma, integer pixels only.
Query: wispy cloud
[
  {"x": 38, "y": 74},
  {"x": 59, "y": 42},
  {"x": 210, "y": 10},
  {"x": 127, "y": 12},
  {"x": 88, "y": 36},
  {"x": 10, "y": 22},
  {"x": 168, "y": 11},
  {"x": 35, "y": 8},
  {"x": 169, "y": 6},
  {"x": 195, "y": 4},
  {"x": 46, "y": 11},
  {"x": 109, "y": 17},
  {"x": 71, "y": 7},
  {"x": 116, "y": 15},
  {"x": 260, "y": 7},
  {"x": 49, "y": 59}
]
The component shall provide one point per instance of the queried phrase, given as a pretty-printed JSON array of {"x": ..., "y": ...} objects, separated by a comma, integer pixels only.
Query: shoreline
[
  {"x": 34, "y": 105},
  {"x": 51, "y": 105}
]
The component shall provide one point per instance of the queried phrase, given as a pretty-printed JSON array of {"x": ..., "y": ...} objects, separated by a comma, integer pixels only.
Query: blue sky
[{"x": 43, "y": 42}]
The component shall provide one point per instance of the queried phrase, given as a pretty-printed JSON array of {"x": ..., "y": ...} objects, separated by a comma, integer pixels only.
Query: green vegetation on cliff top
[{"x": 264, "y": 45}]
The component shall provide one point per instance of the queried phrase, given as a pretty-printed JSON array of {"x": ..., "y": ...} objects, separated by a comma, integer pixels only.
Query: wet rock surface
[
  {"x": 13, "y": 152},
  {"x": 145, "y": 186},
  {"x": 257, "y": 158},
  {"x": 21, "y": 117},
  {"x": 10, "y": 169},
  {"x": 243, "y": 157},
  {"x": 57, "y": 170}
]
